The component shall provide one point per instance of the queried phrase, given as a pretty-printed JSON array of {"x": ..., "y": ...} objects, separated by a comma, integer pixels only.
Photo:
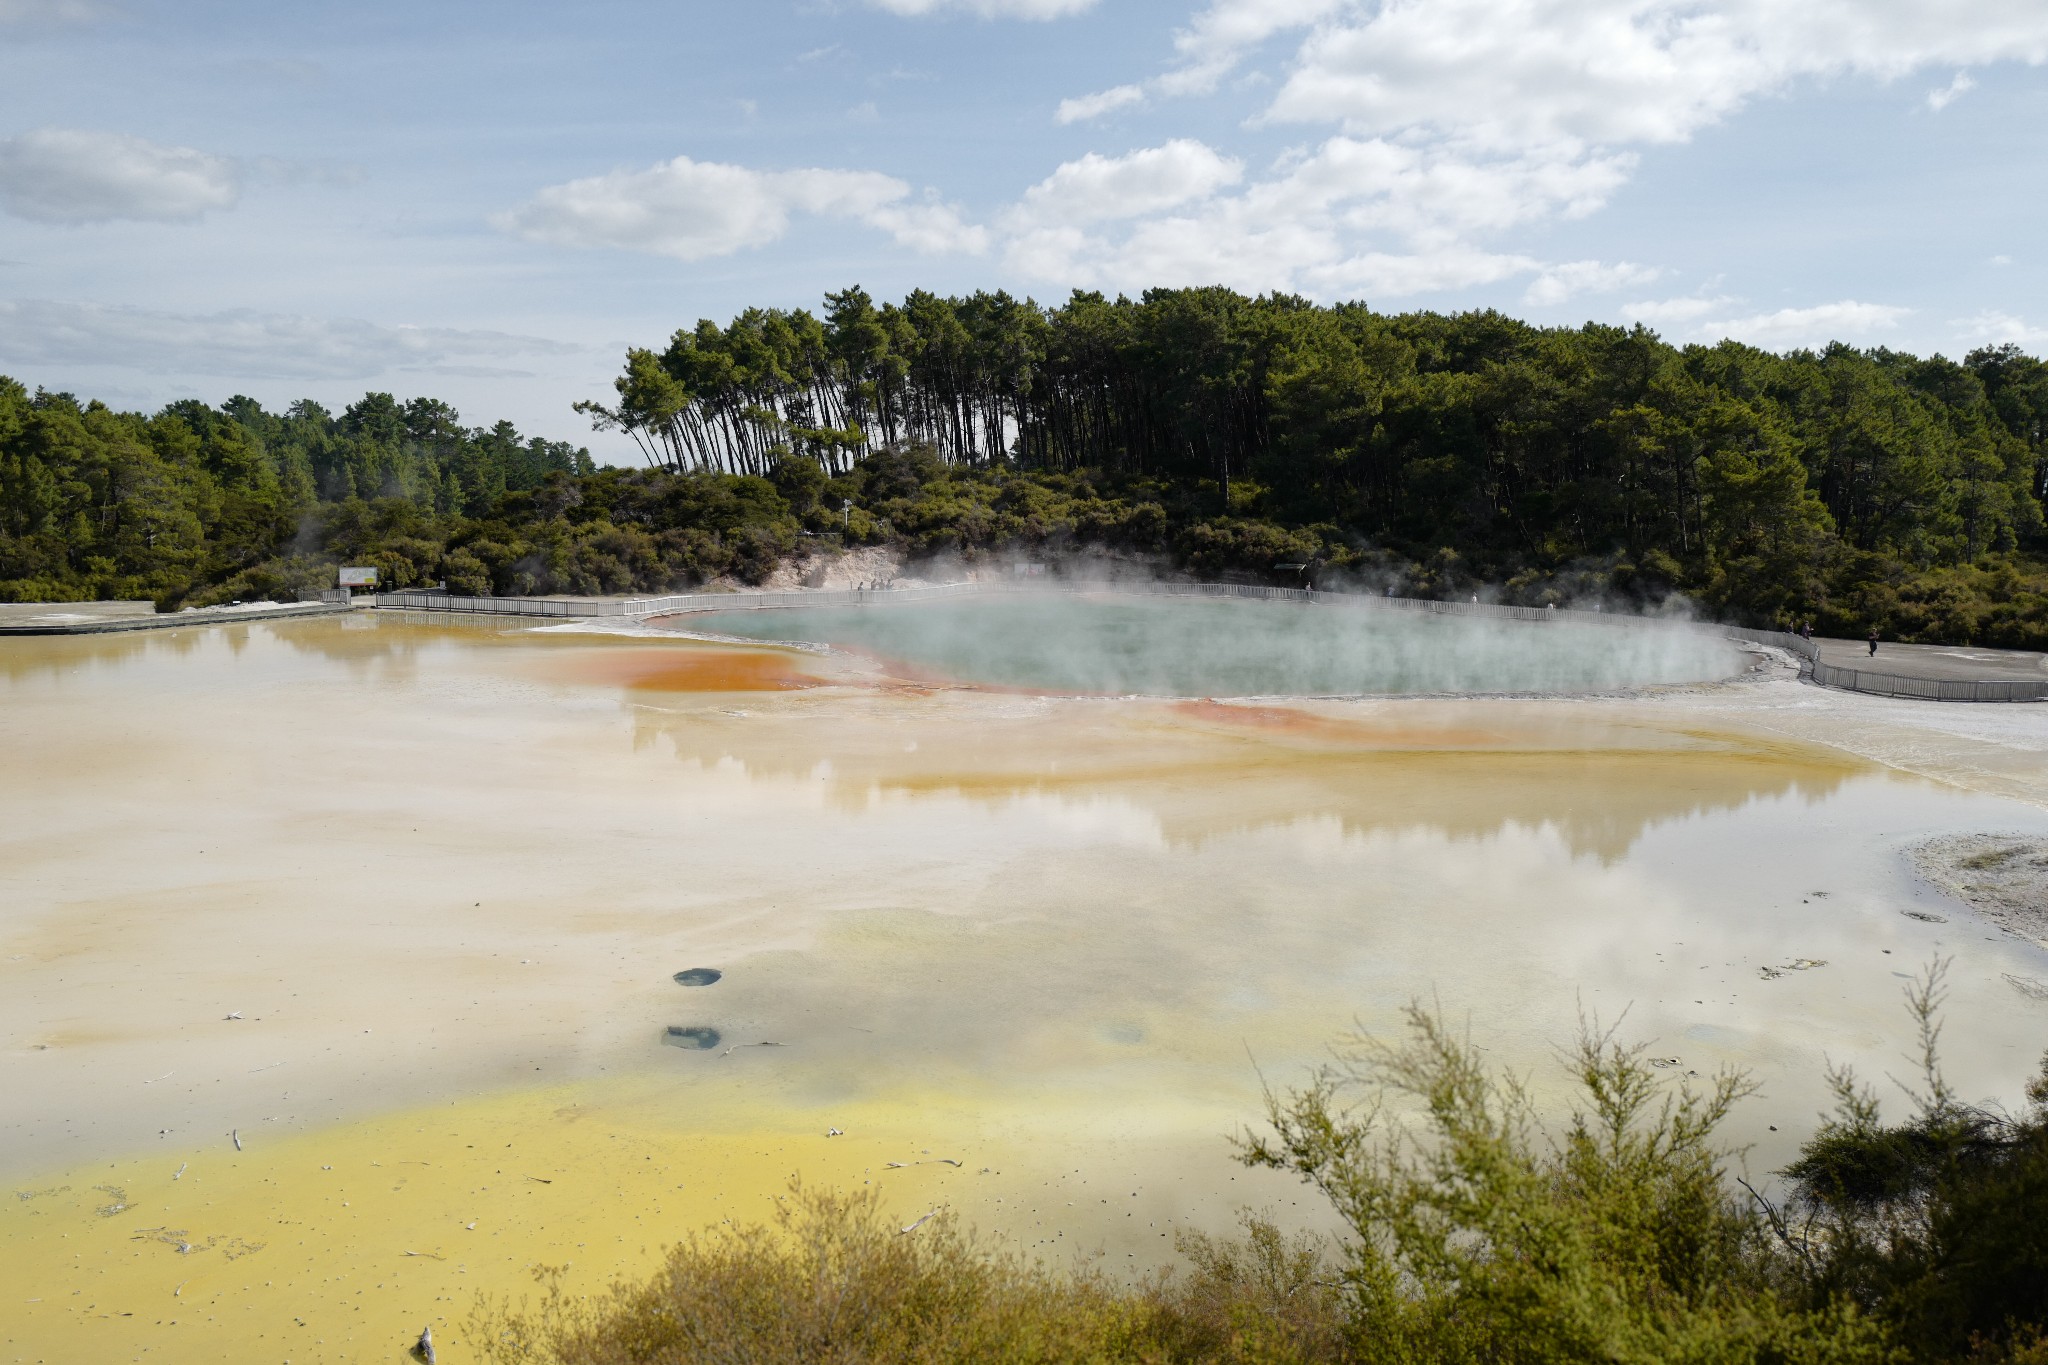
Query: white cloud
[
  {"x": 931, "y": 228},
  {"x": 1371, "y": 214},
  {"x": 1171, "y": 251},
  {"x": 1383, "y": 274},
  {"x": 1451, "y": 122},
  {"x": 1232, "y": 244},
  {"x": 1710, "y": 320},
  {"x": 245, "y": 344},
  {"x": 1208, "y": 48},
  {"x": 1096, "y": 188},
  {"x": 1675, "y": 313},
  {"x": 69, "y": 175},
  {"x": 1218, "y": 37},
  {"x": 1994, "y": 328},
  {"x": 1084, "y": 107},
  {"x": 988, "y": 9},
  {"x": 692, "y": 210},
  {"x": 1438, "y": 195},
  {"x": 1940, "y": 99},
  {"x": 1545, "y": 72},
  {"x": 1558, "y": 283},
  {"x": 1785, "y": 328}
]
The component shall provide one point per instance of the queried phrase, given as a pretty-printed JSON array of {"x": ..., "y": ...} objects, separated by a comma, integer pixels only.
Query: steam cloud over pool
[{"x": 1184, "y": 648}]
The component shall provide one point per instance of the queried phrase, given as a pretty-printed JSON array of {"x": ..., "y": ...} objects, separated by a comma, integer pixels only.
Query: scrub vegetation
[
  {"x": 1471, "y": 1231},
  {"x": 1198, "y": 430}
]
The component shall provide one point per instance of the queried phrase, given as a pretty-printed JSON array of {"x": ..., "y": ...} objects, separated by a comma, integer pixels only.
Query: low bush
[{"x": 830, "y": 1282}]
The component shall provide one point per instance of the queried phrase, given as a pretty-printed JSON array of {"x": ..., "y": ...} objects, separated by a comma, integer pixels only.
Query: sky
[{"x": 487, "y": 203}]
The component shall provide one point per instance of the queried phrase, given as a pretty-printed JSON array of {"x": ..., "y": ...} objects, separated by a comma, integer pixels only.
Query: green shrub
[
  {"x": 830, "y": 1283},
  {"x": 1477, "y": 1234},
  {"x": 1936, "y": 1224}
]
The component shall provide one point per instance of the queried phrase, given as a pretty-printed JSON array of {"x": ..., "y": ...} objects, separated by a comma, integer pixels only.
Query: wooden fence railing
[
  {"x": 1895, "y": 684},
  {"x": 1929, "y": 689}
]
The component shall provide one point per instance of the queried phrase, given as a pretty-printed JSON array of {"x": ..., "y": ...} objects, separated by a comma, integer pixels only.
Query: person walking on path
[{"x": 1873, "y": 642}]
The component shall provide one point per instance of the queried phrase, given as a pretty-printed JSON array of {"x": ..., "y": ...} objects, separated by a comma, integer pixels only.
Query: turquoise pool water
[{"x": 1206, "y": 648}]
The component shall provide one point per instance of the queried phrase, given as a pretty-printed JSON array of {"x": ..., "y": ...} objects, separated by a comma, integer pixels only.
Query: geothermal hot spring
[
  {"x": 1191, "y": 647},
  {"x": 352, "y": 967}
]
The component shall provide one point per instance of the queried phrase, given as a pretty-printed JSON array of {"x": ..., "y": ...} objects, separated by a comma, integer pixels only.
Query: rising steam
[{"x": 1208, "y": 648}]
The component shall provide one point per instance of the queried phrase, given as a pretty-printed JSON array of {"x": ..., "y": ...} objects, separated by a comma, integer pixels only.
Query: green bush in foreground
[
  {"x": 1935, "y": 1224},
  {"x": 1473, "y": 1232},
  {"x": 1478, "y": 1236},
  {"x": 831, "y": 1281}
]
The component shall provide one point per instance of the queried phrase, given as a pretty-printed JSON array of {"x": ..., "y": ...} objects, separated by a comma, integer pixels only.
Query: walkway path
[
  {"x": 56, "y": 624},
  {"x": 1944, "y": 663}
]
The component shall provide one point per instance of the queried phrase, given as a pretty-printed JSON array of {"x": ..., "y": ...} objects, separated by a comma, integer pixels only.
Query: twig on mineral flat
[{"x": 235, "y": 1134}]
